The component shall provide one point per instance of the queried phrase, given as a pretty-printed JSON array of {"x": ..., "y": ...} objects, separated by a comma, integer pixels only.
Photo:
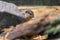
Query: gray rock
[
  {"x": 10, "y": 8},
  {"x": 10, "y": 15}
]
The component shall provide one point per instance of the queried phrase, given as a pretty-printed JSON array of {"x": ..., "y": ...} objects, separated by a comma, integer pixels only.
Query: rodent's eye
[
  {"x": 26, "y": 12},
  {"x": 29, "y": 12}
]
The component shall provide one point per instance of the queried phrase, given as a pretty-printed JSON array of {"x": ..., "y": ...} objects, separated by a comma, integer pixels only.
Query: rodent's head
[{"x": 28, "y": 14}]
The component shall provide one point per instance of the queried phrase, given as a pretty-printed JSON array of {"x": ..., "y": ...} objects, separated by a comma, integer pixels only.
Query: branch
[{"x": 25, "y": 28}]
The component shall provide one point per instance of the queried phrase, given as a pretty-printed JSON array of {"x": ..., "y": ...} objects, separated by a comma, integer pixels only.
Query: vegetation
[{"x": 35, "y": 2}]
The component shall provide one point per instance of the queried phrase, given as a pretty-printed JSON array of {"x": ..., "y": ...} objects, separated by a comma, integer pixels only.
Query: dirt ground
[{"x": 40, "y": 10}]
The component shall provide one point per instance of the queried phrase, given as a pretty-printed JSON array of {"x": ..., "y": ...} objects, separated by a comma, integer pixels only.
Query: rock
[{"x": 10, "y": 15}]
